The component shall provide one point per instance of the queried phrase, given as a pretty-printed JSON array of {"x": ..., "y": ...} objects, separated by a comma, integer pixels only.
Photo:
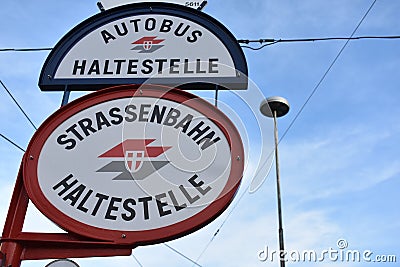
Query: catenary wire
[
  {"x": 25, "y": 49},
  {"x": 326, "y": 73},
  {"x": 20, "y": 148},
  {"x": 222, "y": 224},
  {"x": 171, "y": 248},
  {"x": 186, "y": 257},
  {"x": 246, "y": 41},
  {"x": 137, "y": 261},
  {"x": 290, "y": 125},
  {"x": 19, "y": 106},
  {"x": 11, "y": 142},
  {"x": 270, "y": 42},
  {"x": 275, "y": 41}
]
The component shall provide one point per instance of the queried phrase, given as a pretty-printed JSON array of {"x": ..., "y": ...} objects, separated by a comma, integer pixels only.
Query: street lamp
[{"x": 275, "y": 107}]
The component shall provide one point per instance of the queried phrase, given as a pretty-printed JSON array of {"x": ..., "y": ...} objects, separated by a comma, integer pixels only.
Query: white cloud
[{"x": 337, "y": 161}]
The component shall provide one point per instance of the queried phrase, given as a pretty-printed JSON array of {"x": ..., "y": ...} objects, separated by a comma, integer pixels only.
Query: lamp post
[{"x": 275, "y": 107}]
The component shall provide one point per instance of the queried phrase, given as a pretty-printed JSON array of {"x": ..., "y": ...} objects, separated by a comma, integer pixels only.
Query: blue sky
[{"x": 340, "y": 166}]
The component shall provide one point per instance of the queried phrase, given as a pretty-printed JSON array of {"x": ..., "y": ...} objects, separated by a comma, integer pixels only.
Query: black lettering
[
  {"x": 130, "y": 111},
  {"x": 77, "y": 67},
  {"x": 61, "y": 140},
  {"x": 195, "y": 36},
  {"x": 132, "y": 66},
  {"x": 75, "y": 132},
  {"x": 161, "y": 205},
  {"x": 86, "y": 126},
  {"x": 145, "y": 201},
  {"x": 94, "y": 68},
  {"x": 172, "y": 117},
  {"x": 81, "y": 204},
  {"x": 158, "y": 114},
  {"x": 100, "y": 200},
  {"x": 150, "y": 24},
  {"x": 148, "y": 65},
  {"x": 166, "y": 25},
  {"x": 107, "y": 36},
  {"x": 106, "y": 67},
  {"x": 117, "y": 117},
  {"x": 135, "y": 24},
  {"x": 175, "y": 202},
  {"x": 160, "y": 64},
  {"x": 198, "y": 130},
  {"x": 198, "y": 185},
  {"x": 119, "y": 32},
  {"x": 173, "y": 66},
  {"x": 185, "y": 123},
  {"x": 186, "y": 67},
  {"x": 188, "y": 196},
  {"x": 198, "y": 67},
  {"x": 111, "y": 208},
  {"x": 127, "y": 206},
  {"x": 144, "y": 111},
  {"x": 75, "y": 194},
  {"x": 64, "y": 183},
  {"x": 207, "y": 140},
  {"x": 119, "y": 65},
  {"x": 212, "y": 65},
  {"x": 180, "y": 34},
  {"x": 101, "y": 120}
]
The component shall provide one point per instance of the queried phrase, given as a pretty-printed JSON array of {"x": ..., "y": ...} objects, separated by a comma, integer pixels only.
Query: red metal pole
[
  {"x": 14, "y": 223},
  {"x": 17, "y": 245}
]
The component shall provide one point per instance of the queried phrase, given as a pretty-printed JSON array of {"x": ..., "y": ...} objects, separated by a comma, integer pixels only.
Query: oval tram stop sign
[{"x": 134, "y": 165}]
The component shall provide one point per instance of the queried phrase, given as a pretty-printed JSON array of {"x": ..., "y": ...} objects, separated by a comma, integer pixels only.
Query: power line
[
  {"x": 137, "y": 261},
  {"x": 317, "y": 39},
  {"x": 186, "y": 257},
  {"x": 326, "y": 72},
  {"x": 222, "y": 224},
  {"x": 290, "y": 126},
  {"x": 25, "y": 49},
  {"x": 261, "y": 41},
  {"x": 11, "y": 142},
  {"x": 247, "y": 41},
  {"x": 275, "y": 41},
  {"x": 16, "y": 102}
]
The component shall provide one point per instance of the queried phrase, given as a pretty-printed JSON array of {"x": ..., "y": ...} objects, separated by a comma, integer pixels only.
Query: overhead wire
[
  {"x": 263, "y": 42},
  {"x": 19, "y": 106},
  {"x": 275, "y": 41},
  {"x": 137, "y": 261},
  {"x": 326, "y": 72},
  {"x": 20, "y": 148},
  {"x": 186, "y": 257},
  {"x": 25, "y": 49},
  {"x": 12, "y": 142},
  {"x": 259, "y": 48},
  {"x": 268, "y": 42},
  {"x": 290, "y": 125}
]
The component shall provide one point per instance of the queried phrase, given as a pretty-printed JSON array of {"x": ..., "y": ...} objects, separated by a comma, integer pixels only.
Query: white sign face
[
  {"x": 107, "y": 4},
  {"x": 135, "y": 164},
  {"x": 156, "y": 46}
]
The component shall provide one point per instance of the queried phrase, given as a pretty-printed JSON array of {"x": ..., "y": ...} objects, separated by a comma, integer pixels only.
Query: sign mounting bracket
[{"x": 17, "y": 245}]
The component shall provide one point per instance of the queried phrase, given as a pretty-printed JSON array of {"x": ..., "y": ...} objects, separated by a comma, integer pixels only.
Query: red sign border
[{"x": 153, "y": 236}]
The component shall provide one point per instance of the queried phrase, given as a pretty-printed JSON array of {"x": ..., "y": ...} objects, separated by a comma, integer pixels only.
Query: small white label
[{"x": 107, "y": 4}]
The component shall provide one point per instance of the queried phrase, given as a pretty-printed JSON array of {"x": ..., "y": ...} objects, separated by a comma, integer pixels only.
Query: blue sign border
[{"x": 47, "y": 82}]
